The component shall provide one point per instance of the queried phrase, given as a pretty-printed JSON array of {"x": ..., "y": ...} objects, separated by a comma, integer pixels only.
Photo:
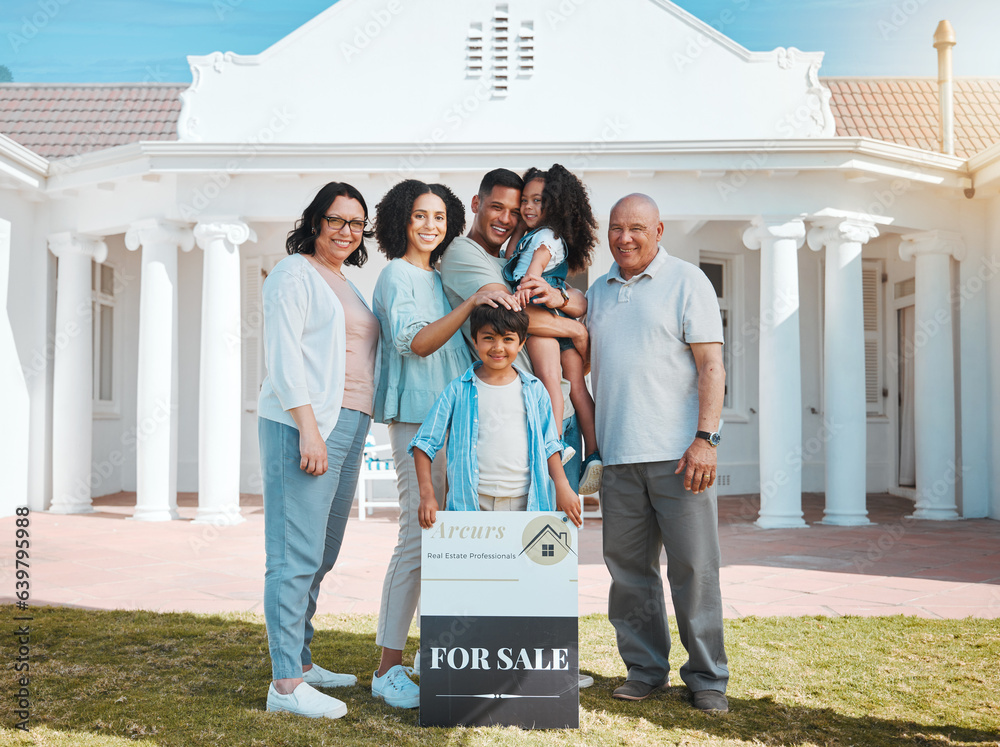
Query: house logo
[{"x": 546, "y": 540}]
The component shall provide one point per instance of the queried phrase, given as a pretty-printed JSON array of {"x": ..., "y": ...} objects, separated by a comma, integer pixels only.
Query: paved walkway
[{"x": 896, "y": 566}]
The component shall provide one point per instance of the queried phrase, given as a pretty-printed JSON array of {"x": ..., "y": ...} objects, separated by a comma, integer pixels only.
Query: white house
[{"x": 855, "y": 262}]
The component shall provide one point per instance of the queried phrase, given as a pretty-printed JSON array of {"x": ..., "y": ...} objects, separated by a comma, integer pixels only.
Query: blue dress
[{"x": 517, "y": 264}]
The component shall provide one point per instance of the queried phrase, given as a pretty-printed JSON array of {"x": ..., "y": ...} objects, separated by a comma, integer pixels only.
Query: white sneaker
[
  {"x": 416, "y": 663},
  {"x": 591, "y": 472},
  {"x": 396, "y": 688},
  {"x": 568, "y": 453},
  {"x": 585, "y": 680},
  {"x": 305, "y": 701},
  {"x": 319, "y": 677}
]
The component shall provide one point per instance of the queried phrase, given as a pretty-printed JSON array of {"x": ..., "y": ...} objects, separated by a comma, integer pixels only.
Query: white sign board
[{"x": 498, "y": 620}]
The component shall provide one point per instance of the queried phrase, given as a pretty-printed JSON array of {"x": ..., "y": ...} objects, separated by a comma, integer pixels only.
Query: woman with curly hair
[
  {"x": 315, "y": 407},
  {"x": 422, "y": 351},
  {"x": 560, "y": 240}
]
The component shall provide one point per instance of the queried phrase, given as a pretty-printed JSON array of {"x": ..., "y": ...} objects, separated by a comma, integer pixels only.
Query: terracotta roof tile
[
  {"x": 905, "y": 111},
  {"x": 59, "y": 120}
]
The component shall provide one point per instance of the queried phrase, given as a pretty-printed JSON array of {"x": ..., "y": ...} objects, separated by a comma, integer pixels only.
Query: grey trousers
[{"x": 645, "y": 508}]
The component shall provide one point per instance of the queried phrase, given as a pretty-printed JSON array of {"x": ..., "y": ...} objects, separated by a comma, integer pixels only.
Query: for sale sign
[{"x": 498, "y": 622}]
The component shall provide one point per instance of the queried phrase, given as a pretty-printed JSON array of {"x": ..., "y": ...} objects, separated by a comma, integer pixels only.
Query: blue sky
[{"x": 136, "y": 40}]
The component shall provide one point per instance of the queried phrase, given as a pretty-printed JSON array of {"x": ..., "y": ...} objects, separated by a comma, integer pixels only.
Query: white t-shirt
[{"x": 503, "y": 440}]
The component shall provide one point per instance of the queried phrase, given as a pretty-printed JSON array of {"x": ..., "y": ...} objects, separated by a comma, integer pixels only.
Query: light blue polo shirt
[{"x": 642, "y": 368}]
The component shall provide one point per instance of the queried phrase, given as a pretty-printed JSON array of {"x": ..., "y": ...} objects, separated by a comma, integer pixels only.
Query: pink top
[{"x": 362, "y": 343}]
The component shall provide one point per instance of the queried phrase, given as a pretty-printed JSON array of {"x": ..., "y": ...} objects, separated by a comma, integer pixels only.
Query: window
[
  {"x": 871, "y": 295},
  {"x": 104, "y": 287},
  {"x": 253, "y": 368},
  {"x": 548, "y": 551},
  {"x": 725, "y": 274},
  {"x": 252, "y": 348}
]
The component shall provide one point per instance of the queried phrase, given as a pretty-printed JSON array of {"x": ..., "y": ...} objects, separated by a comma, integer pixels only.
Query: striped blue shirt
[{"x": 455, "y": 415}]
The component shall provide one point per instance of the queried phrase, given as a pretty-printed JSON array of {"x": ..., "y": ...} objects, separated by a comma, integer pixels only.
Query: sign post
[{"x": 499, "y": 621}]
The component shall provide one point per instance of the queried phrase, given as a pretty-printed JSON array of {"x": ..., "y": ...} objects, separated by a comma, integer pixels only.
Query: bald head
[
  {"x": 634, "y": 233},
  {"x": 637, "y": 202}
]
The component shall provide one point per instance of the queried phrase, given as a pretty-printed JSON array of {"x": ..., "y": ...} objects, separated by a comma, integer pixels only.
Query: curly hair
[
  {"x": 392, "y": 217},
  {"x": 302, "y": 238},
  {"x": 566, "y": 210}
]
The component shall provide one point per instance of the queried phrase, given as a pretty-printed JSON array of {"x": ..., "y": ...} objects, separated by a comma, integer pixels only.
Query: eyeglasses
[{"x": 336, "y": 223}]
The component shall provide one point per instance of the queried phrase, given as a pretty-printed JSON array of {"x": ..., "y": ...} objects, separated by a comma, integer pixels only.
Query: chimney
[{"x": 944, "y": 40}]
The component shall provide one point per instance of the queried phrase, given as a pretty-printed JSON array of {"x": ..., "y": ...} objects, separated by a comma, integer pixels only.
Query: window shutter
[
  {"x": 253, "y": 329},
  {"x": 871, "y": 294}
]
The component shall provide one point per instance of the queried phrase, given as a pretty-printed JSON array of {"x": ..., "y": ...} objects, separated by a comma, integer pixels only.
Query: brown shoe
[
  {"x": 710, "y": 701},
  {"x": 636, "y": 690}
]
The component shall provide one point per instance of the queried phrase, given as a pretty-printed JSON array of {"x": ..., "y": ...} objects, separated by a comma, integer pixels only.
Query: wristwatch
[
  {"x": 712, "y": 438},
  {"x": 565, "y": 295}
]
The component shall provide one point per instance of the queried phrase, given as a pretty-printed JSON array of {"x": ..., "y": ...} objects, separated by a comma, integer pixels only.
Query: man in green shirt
[{"x": 472, "y": 263}]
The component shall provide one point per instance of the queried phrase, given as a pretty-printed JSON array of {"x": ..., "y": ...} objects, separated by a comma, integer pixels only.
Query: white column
[
  {"x": 73, "y": 372},
  {"x": 220, "y": 399},
  {"x": 778, "y": 240},
  {"x": 156, "y": 408},
  {"x": 15, "y": 407},
  {"x": 934, "y": 371},
  {"x": 844, "y": 408}
]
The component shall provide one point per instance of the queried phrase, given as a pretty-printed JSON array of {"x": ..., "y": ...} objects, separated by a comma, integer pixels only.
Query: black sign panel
[{"x": 510, "y": 671}]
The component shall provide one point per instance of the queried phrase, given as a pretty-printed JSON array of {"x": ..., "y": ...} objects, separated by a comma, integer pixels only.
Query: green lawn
[{"x": 109, "y": 678}]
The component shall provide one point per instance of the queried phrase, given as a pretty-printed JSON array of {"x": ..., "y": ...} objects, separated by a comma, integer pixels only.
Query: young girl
[
  {"x": 560, "y": 239},
  {"x": 421, "y": 353}
]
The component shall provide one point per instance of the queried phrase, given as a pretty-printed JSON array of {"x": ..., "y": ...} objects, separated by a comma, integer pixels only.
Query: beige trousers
[
  {"x": 492, "y": 503},
  {"x": 401, "y": 587}
]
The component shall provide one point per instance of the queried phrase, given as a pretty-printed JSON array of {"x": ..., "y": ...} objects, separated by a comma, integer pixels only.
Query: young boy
[{"x": 503, "y": 447}]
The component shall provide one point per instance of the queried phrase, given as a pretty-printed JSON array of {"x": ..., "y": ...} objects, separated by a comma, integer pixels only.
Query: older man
[{"x": 656, "y": 336}]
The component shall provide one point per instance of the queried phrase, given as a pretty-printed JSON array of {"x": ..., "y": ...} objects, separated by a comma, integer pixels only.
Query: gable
[{"x": 370, "y": 71}]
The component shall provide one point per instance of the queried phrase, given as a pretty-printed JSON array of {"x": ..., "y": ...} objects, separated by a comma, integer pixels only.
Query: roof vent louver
[
  {"x": 503, "y": 54},
  {"x": 474, "y": 51},
  {"x": 499, "y": 55},
  {"x": 526, "y": 50}
]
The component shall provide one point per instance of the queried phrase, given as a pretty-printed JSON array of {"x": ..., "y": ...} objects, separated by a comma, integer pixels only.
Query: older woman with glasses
[{"x": 321, "y": 348}]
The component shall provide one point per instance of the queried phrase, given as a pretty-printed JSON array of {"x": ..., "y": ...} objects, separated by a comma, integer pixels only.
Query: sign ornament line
[
  {"x": 472, "y": 579},
  {"x": 495, "y": 696}
]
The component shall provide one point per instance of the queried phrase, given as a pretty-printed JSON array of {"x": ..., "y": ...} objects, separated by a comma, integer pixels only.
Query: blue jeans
[
  {"x": 572, "y": 437},
  {"x": 304, "y": 520}
]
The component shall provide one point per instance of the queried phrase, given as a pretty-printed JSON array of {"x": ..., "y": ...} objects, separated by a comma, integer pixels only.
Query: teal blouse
[{"x": 407, "y": 299}]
